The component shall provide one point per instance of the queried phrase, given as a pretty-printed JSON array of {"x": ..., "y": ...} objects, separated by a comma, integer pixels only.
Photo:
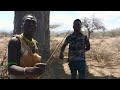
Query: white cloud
[
  {"x": 82, "y": 14},
  {"x": 6, "y": 25},
  {"x": 111, "y": 19},
  {"x": 65, "y": 21},
  {"x": 6, "y": 20}
]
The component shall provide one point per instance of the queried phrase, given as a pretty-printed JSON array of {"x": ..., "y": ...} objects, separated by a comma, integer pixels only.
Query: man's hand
[
  {"x": 37, "y": 70},
  {"x": 61, "y": 56},
  {"x": 82, "y": 51},
  {"x": 41, "y": 67}
]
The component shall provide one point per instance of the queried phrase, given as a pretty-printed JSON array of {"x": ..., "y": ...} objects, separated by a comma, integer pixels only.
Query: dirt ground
[
  {"x": 61, "y": 69},
  {"x": 96, "y": 70}
]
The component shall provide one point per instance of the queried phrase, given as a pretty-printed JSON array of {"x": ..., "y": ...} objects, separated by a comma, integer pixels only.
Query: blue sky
[
  {"x": 6, "y": 20},
  {"x": 111, "y": 19}
]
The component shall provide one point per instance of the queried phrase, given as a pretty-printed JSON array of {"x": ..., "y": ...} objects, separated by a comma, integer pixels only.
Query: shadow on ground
[
  {"x": 59, "y": 72},
  {"x": 91, "y": 76},
  {"x": 58, "y": 69}
]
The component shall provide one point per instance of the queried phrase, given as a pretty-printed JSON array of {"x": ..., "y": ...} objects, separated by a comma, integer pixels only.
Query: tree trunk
[
  {"x": 89, "y": 33},
  {"x": 42, "y": 34}
]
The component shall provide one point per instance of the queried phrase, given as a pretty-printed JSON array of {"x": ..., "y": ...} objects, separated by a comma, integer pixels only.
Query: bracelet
[{"x": 24, "y": 71}]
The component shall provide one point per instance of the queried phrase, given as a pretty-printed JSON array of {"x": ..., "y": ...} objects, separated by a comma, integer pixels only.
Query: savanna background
[{"x": 103, "y": 59}]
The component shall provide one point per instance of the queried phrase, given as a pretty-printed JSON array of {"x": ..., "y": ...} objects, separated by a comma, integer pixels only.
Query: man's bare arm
[
  {"x": 87, "y": 44},
  {"x": 13, "y": 66},
  {"x": 13, "y": 46},
  {"x": 61, "y": 56}
]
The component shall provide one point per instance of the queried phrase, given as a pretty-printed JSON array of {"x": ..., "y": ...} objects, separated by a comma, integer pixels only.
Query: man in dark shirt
[
  {"x": 14, "y": 52},
  {"x": 78, "y": 45}
]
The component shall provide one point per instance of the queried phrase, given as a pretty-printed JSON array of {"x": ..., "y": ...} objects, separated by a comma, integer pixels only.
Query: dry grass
[
  {"x": 104, "y": 50},
  {"x": 103, "y": 59},
  {"x": 3, "y": 57}
]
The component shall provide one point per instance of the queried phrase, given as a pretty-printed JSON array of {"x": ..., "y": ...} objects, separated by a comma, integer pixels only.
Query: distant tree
[
  {"x": 5, "y": 34},
  {"x": 92, "y": 24},
  {"x": 54, "y": 26}
]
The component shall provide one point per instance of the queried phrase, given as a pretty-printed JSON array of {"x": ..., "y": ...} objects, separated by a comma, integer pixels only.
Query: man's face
[
  {"x": 29, "y": 26},
  {"x": 77, "y": 26}
]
